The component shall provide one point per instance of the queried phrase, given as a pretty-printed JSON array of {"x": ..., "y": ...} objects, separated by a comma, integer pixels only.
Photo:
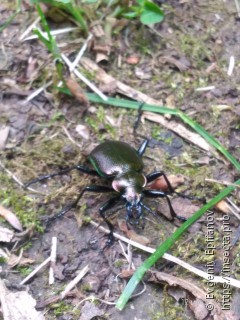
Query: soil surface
[{"x": 183, "y": 63}]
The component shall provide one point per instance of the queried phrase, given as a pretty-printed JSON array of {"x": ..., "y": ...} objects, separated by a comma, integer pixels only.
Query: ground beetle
[{"x": 123, "y": 165}]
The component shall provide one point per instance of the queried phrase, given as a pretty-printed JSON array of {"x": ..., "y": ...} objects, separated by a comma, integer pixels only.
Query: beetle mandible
[{"x": 123, "y": 165}]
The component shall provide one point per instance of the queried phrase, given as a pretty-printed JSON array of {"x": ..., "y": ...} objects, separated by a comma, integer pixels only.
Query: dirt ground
[{"x": 191, "y": 49}]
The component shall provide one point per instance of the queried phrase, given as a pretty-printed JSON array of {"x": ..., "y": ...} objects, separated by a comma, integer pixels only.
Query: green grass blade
[
  {"x": 122, "y": 103},
  {"x": 12, "y": 16},
  {"x": 50, "y": 43},
  {"x": 8, "y": 21},
  {"x": 72, "y": 9},
  {"x": 211, "y": 140},
  {"x": 166, "y": 245},
  {"x": 129, "y": 104}
]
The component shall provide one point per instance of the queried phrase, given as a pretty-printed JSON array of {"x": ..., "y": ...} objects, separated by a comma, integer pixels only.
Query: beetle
[{"x": 123, "y": 165}]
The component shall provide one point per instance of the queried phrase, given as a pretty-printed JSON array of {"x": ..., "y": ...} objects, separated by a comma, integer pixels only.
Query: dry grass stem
[
  {"x": 45, "y": 262},
  {"x": 185, "y": 265},
  {"x": 37, "y": 92},
  {"x": 74, "y": 282},
  {"x": 84, "y": 79},
  {"x": 80, "y": 54},
  {"x": 53, "y": 257},
  {"x": 225, "y": 183},
  {"x": 53, "y": 33}
]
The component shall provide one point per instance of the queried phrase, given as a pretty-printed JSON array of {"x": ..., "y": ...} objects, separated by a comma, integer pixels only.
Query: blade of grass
[
  {"x": 9, "y": 20},
  {"x": 12, "y": 17},
  {"x": 211, "y": 140},
  {"x": 50, "y": 42},
  {"x": 71, "y": 8},
  {"x": 121, "y": 103},
  {"x": 129, "y": 104},
  {"x": 165, "y": 246}
]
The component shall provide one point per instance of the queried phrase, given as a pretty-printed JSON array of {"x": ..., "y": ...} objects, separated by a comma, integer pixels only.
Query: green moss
[
  {"x": 194, "y": 48},
  {"x": 155, "y": 131},
  {"x": 24, "y": 271},
  {"x": 98, "y": 121},
  {"x": 86, "y": 219},
  {"x": 3, "y": 260},
  {"x": 20, "y": 204},
  {"x": 170, "y": 309},
  {"x": 118, "y": 263},
  {"x": 61, "y": 308},
  {"x": 86, "y": 288}
]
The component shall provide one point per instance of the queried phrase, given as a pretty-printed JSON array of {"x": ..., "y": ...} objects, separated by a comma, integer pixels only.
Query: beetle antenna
[
  {"x": 137, "y": 121},
  {"x": 149, "y": 210}
]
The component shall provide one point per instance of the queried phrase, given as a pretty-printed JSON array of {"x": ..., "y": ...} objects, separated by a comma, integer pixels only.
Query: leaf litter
[{"x": 70, "y": 257}]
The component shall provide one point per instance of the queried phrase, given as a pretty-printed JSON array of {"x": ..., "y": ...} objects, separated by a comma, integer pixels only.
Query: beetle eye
[
  {"x": 145, "y": 182},
  {"x": 117, "y": 186}
]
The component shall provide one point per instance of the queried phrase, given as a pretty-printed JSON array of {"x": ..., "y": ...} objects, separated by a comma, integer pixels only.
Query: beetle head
[{"x": 130, "y": 184}]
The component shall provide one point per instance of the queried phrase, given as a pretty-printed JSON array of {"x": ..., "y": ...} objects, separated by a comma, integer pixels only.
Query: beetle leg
[
  {"x": 106, "y": 206},
  {"x": 161, "y": 194},
  {"x": 136, "y": 123},
  {"x": 143, "y": 147},
  {"x": 64, "y": 171},
  {"x": 157, "y": 174},
  {"x": 153, "y": 176},
  {"x": 98, "y": 189},
  {"x": 149, "y": 210},
  {"x": 129, "y": 215}
]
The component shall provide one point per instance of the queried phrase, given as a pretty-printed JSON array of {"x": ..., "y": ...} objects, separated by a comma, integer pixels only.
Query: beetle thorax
[{"x": 130, "y": 184}]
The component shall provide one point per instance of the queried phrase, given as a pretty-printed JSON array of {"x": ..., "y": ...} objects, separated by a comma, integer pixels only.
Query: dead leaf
[
  {"x": 221, "y": 107},
  {"x": 193, "y": 290},
  {"x": 32, "y": 63},
  {"x": 101, "y": 43},
  {"x": 11, "y": 218},
  {"x": 132, "y": 59},
  {"x": 109, "y": 88},
  {"x": 179, "y": 63},
  {"x": 14, "y": 260},
  {"x": 143, "y": 74},
  {"x": 223, "y": 206},
  {"x": 131, "y": 234},
  {"x": 3, "y": 254},
  {"x": 101, "y": 57},
  {"x": 205, "y": 160},
  {"x": 98, "y": 31},
  {"x": 90, "y": 311},
  {"x": 6, "y": 235},
  {"x": 170, "y": 101},
  {"x": 18, "y": 305},
  {"x": 198, "y": 308},
  {"x": 184, "y": 207},
  {"x": 161, "y": 184},
  {"x": 4, "y": 136},
  {"x": 83, "y": 131},
  {"x": 76, "y": 91},
  {"x": 121, "y": 87},
  {"x": 43, "y": 304},
  {"x": 177, "y": 293},
  {"x": 125, "y": 274}
]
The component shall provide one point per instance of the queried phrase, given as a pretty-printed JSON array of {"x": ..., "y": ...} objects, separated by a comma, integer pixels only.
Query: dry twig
[
  {"x": 53, "y": 260},
  {"x": 75, "y": 281},
  {"x": 45, "y": 262}
]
